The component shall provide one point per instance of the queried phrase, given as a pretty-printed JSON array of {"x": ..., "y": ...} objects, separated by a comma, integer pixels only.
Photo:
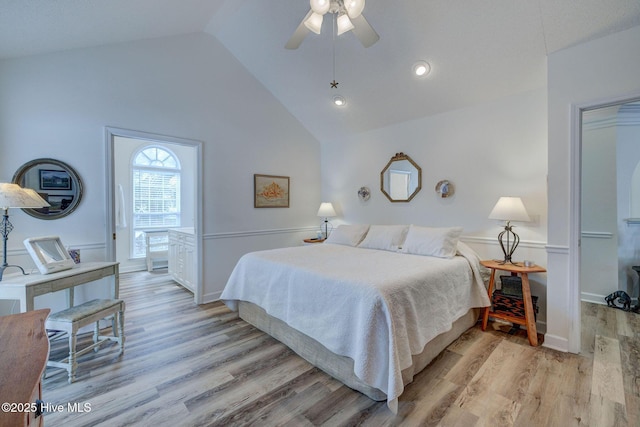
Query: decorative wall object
[
  {"x": 364, "y": 193},
  {"x": 270, "y": 191},
  {"x": 444, "y": 188},
  {"x": 401, "y": 178},
  {"x": 56, "y": 182}
]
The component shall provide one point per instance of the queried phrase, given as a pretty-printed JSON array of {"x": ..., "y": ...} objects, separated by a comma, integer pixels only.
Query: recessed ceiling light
[
  {"x": 421, "y": 68},
  {"x": 339, "y": 101}
]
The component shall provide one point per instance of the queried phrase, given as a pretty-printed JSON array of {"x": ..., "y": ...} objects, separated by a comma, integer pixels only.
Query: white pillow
[
  {"x": 430, "y": 241},
  {"x": 349, "y": 235},
  {"x": 385, "y": 237}
]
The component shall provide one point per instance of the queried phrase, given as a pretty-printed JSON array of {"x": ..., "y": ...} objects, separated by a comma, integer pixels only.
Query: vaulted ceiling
[{"x": 479, "y": 50}]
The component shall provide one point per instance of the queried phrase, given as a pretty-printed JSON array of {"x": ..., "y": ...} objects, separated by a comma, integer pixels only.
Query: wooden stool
[{"x": 74, "y": 318}]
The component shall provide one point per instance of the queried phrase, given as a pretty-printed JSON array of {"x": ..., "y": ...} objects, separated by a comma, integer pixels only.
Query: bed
[{"x": 372, "y": 306}]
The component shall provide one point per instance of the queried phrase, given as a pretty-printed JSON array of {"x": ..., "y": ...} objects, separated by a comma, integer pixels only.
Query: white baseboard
[
  {"x": 556, "y": 343},
  {"x": 593, "y": 298},
  {"x": 211, "y": 297}
]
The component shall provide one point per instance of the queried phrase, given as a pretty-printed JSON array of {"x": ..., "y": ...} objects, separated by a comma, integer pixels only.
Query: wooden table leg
[
  {"x": 529, "y": 316},
  {"x": 485, "y": 315}
]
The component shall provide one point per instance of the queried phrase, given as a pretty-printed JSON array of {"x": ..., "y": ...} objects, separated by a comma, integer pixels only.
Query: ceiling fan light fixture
[
  {"x": 344, "y": 24},
  {"x": 320, "y": 6},
  {"x": 339, "y": 101},
  {"x": 421, "y": 69},
  {"x": 354, "y": 7},
  {"x": 314, "y": 23}
]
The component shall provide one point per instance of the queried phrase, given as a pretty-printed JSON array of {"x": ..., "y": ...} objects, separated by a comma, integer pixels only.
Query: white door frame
[
  {"x": 575, "y": 213},
  {"x": 110, "y": 133}
]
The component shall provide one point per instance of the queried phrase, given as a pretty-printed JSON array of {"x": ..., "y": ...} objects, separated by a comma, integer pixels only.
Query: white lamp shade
[
  {"x": 509, "y": 209},
  {"x": 354, "y": 7},
  {"x": 314, "y": 23},
  {"x": 37, "y": 199},
  {"x": 344, "y": 24},
  {"x": 326, "y": 210},
  {"x": 14, "y": 196},
  {"x": 320, "y": 6}
]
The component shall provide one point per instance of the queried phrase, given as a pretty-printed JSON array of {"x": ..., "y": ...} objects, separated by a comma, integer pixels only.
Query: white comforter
[{"x": 376, "y": 307}]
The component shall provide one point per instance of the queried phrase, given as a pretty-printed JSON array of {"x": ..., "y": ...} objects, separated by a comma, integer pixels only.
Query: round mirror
[
  {"x": 56, "y": 182},
  {"x": 401, "y": 179}
]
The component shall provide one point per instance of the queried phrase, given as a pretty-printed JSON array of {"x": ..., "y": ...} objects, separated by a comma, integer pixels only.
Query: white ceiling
[{"x": 478, "y": 49}]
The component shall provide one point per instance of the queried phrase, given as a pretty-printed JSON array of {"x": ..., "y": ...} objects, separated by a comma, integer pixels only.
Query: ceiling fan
[{"x": 348, "y": 15}]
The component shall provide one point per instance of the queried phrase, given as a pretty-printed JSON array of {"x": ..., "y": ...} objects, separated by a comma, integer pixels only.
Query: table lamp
[
  {"x": 326, "y": 210},
  {"x": 509, "y": 209},
  {"x": 14, "y": 196}
]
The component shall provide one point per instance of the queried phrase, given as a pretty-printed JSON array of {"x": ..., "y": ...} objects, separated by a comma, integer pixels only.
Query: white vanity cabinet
[{"x": 182, "y": 260}]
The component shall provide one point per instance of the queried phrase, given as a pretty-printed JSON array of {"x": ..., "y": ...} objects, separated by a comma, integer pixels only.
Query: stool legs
[
  {"x": 72, "y": 357},
  {"x": 121, "y": 329}
]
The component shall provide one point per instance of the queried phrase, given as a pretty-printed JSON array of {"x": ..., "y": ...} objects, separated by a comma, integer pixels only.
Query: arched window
[{"x": 156, "y": 193}]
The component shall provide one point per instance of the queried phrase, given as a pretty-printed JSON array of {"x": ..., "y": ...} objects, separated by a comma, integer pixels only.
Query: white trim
[
  {"x": 557, "y": 249},
  {"x": 575, "y": 230},
  {"x": 211, "y": 297},
  {"x": 250, "y": 233},
  {"x": 494, "y": 241},
  {"x": 593, "y": 298},
  {"x": 86, "y": 246},
  {"x": 597, "y": 235},
  {"x": 555, "y": 342}
]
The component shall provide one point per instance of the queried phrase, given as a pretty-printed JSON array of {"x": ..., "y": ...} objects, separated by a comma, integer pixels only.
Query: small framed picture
[
  {"x": 270, "y": 191},
  {"x": 54, "y": 180},
  {"x": 59, "y": 202}
]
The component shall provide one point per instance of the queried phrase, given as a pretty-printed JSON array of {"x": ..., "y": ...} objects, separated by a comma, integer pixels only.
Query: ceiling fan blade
[
  {"x": 299, "y": 34},
  {"x": 364, "y": 32}
]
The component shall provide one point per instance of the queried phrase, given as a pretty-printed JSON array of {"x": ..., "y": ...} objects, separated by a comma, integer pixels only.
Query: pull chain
[{"x": 334, "y": 84}]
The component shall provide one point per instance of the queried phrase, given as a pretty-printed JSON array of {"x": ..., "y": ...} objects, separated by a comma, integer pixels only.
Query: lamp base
[
  {"x": 508, "y": 261},
  {"x": 4, "y": 267},
  {"x": 511, "y": 244}
]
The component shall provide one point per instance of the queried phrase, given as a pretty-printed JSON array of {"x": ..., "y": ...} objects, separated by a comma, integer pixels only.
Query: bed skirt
[{"x": 341, "y": 367}]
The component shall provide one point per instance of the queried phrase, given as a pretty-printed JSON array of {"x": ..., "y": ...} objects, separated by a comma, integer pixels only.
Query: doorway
[
  {"x": 606, "y": 157},
  {"x": 129, "y": 217}
]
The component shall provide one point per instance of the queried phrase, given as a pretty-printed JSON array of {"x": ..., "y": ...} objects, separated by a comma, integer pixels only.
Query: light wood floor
[{"x": 188, "y": 365}]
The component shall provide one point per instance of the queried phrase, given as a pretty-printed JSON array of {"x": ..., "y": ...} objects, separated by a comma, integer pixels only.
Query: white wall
[
  {"x": 491, "y": 150},
  {"x": 589, "y": 73},
  {"x": 57, "y": 105},
  {"x": 599, "y": 229}
]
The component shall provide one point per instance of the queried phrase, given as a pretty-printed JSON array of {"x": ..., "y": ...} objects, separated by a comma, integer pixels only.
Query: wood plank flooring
[{"x": 189, "y": 365}]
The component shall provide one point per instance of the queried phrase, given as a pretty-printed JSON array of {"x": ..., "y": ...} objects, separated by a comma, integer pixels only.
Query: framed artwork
[
  {"x": 59, "y": 202},
  {"x": 270, "y": 191},
  {"x": 54, "y": 179}
]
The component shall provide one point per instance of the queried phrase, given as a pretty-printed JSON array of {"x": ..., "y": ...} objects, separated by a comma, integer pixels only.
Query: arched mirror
[
  {"x": 401, "y": 179},
  {"x": 56, "y": 182}
]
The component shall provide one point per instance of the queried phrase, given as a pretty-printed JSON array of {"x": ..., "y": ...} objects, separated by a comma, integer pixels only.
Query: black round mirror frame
[
  {"x": 75, "y": 186},
  {"x": 399, "y": 157}
]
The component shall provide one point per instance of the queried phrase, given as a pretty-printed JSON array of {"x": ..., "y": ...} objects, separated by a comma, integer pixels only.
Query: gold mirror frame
[
  {"x": 414, "y": 174},
  {"x": 64, "y": 194}
]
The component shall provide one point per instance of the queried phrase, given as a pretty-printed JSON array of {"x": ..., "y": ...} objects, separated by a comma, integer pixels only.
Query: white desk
[{"x": 26, "y": 288}]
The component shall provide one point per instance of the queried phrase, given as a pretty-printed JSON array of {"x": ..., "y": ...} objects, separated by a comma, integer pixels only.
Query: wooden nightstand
[
  {"x": 529, "y": 317},
  {"x": 307, "y": 241}
]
